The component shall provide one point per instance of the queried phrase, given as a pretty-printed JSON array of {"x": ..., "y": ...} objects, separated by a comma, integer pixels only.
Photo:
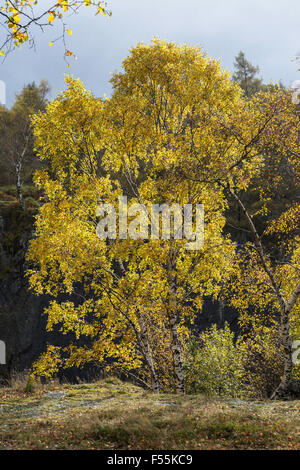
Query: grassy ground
[{"x": 110, "y": 414}]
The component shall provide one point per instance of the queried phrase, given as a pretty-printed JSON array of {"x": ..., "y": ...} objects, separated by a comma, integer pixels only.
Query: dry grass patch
[{"x": 110, "y": 414}]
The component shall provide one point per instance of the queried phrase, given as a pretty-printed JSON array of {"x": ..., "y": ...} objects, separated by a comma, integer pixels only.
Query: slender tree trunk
[
  {"x": 221, "y": 313},
  {"x": 176, "y": 353},
  {"x": 282, "y": 389},
  {"x": 144, "y": 340},
  {"x": 285, "y": 306},
  {"x": 19, "y": 185},
  {"x": 175, "y": 342}
]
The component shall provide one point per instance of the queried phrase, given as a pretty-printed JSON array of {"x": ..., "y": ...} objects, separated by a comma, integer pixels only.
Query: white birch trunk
[
  {"x": 144, "y": 340},
  {"x": 18, "y": 168},
  {"x": 175, "y": 342}
]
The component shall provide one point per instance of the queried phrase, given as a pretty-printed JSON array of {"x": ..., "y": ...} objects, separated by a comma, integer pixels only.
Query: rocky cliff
[{"x": 22, "y": 325}]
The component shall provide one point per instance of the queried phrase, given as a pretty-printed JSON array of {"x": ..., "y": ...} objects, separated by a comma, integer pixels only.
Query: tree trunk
[
  {"x": 19, "y": 185},
  {"x": 144, "y": 340},
  {"x": 285, "y": 307},
  {"x": 283, "y": 388},
  {"x": 175, "y": 343},
  {"x": 176, "y": 353},
  {"x": 221, "y": 313}
]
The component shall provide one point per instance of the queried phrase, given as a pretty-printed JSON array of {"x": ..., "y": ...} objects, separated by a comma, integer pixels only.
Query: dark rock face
[
  {"x": 22, "y": 323},
  {"x": 22, "y": 326}
]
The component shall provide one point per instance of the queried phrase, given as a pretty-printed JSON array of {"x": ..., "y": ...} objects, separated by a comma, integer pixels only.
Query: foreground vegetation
[{"x": 109, "y": 414}]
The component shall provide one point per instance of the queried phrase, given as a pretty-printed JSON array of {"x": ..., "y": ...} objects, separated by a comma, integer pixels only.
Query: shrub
[
  {"x": 214, "y": 364},
  {"x": 263, "y": 361}
]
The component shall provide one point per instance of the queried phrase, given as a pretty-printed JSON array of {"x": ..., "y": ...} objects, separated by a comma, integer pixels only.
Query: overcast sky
[{"x": 268, "y": 31}]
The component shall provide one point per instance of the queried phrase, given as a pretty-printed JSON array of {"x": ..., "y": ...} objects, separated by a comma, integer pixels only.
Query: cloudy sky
[{"x": 267, "y": 31}]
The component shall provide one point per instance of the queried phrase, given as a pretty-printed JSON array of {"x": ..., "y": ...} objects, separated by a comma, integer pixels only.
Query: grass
[{"x": 110, "y": 414}]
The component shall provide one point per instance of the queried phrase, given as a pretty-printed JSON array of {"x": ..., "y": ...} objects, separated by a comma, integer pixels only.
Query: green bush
[
  {"x": 214, "y": 365},
  {"x": 263, "y": 361}
]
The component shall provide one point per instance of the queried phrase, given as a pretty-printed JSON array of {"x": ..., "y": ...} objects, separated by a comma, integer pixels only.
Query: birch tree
[
  {"x": 264, "y": 132},
  {"x": 17, "y": 152},
  {"x": 140, "y": 294}
]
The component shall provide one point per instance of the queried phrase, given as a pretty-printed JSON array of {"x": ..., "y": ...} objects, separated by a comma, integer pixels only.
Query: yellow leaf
[
  {"x": 51, "y": 17},
  {"x": 69, "y": 32}
]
